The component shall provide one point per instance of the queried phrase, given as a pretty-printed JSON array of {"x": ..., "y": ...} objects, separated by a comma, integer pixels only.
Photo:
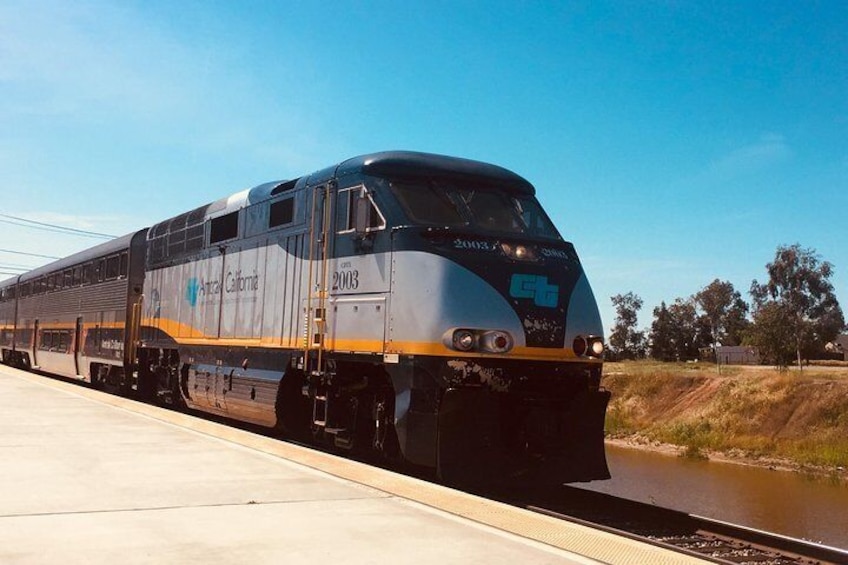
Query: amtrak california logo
[
  {"x": 535, "y": 287},
  {"x": 192, "y": 290},
  {"x": 235, "y": 283}
]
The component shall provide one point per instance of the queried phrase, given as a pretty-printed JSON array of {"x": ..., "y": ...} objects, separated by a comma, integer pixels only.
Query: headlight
[
  {"x": 580, "y": 346},
  {"x": 519, "y": 252},
  {"x": 487, "y": 341},
  {"x": 463, "y": 340},
  {"x": 496, "y": 342},
  {"x": 592, "y": 346},
  {"x": 597, "y": 347}
]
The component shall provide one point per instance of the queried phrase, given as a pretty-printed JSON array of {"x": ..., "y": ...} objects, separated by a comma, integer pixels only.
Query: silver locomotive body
[{"x": 415, "y": 306}]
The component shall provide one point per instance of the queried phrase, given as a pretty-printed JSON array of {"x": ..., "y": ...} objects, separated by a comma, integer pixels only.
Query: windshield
[{"x": 485, "y": 208}]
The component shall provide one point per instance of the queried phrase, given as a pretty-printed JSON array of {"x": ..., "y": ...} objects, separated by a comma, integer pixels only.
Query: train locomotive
[{"x": 419, "y": 307}]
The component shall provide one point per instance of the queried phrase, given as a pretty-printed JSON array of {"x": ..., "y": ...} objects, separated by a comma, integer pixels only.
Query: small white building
[{"x": 738, "y": 355}]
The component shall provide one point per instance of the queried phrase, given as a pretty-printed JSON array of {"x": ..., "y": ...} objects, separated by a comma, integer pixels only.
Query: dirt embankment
[{"x": 748, "y": 414}]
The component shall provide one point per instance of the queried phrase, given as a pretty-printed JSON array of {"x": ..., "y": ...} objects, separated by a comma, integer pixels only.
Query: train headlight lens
[
  {"x": 496, "y": 342},
  {"x": 463, "y": 340},
  {"x": 597, "y": 348},
  {"x": 580, "y": 346},
  {"x": 518, "y": 252},
  {"x": 488, "y": 341},
  {"x": 591, "y": 346}
]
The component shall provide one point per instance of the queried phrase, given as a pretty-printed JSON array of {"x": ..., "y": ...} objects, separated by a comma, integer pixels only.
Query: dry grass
[{"x": 749, "y": 412}]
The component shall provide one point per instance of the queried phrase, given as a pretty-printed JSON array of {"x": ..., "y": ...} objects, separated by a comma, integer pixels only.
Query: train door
[
  {"x": 77, "y": 346},
  {"x": 34, "y": 344},
  {"x": 361, "y": 273},
  {"x": 349, "y": 274}
]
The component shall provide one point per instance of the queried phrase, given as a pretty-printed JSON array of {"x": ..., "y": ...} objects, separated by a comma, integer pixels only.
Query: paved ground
[{"x": 91, "y": 478}]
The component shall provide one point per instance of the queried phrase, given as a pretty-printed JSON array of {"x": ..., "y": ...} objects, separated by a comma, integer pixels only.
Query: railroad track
[{"x": 712, "y": 540}]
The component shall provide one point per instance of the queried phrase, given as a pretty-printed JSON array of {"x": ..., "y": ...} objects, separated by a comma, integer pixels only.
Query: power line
[
  {"x": 13, "y": 267},
  {"x": 53, "y": 230},
  {"x": 50, "y": 227},
  {"x": 29, "y": 254}
]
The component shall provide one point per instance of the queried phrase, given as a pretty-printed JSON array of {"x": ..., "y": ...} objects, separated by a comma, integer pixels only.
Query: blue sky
[{"x": 672, "y": 142}]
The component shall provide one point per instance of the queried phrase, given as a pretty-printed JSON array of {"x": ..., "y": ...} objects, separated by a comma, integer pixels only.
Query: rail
[{"x": 705, "y": 538}]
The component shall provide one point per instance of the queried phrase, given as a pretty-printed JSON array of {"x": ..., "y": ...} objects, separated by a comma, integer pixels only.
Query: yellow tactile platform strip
[{"x": 575, "y": 538}]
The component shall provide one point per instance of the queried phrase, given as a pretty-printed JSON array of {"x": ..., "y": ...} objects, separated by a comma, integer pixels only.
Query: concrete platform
[{"x": 87, "y": 477}]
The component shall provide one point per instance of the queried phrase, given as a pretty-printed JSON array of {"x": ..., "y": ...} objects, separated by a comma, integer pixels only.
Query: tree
[
  {"x": 678, "y": 333},
  {"x": 724, "y": 311},
  {"x": 660, "y": 338},
  {"x": 625, "y": 341},
  {"x": 692, "y": 331},
  {"x": 771, "y": 334},
  {"x": 800, "y": 295}
]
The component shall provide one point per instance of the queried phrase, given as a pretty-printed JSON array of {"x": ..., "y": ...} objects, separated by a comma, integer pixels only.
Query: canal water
[{"x": 792, "y": 504}]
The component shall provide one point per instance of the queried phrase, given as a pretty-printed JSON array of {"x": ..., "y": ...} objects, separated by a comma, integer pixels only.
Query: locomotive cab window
[
  {"x": 535, "y": 219},
  {"x": 426, "y": 204},
  {"x": 489, "y": 208},
  {"x": 356, "y": 209},
  {"x": 223, "y": 227}
]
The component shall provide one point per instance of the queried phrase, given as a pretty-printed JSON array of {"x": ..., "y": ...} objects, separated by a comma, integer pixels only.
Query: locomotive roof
[
  {"x": 413, "y": 163},
  {"x": 385, "y": 163}
]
